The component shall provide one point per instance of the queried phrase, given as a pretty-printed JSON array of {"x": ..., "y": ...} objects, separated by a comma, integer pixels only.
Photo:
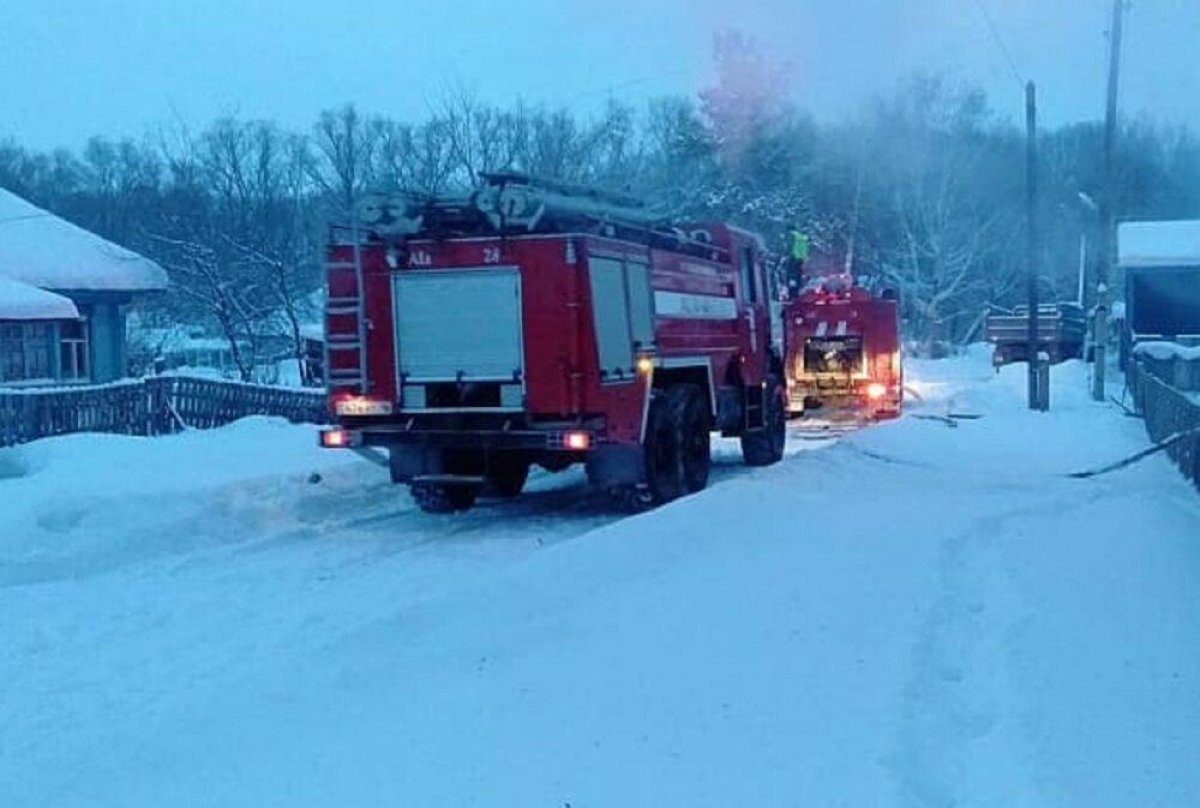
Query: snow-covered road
[{"x": 913, "y": 615}]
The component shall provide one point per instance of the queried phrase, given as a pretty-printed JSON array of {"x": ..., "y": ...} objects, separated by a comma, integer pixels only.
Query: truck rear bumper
[
  {"x": 419, "y": 451},
  {"x": 472, "y": 430},
  {"x": 573, "y": 440},
  {"x": 804, "y": 395}
]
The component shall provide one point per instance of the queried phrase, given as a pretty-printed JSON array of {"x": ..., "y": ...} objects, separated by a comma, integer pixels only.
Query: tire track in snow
[
  {"x": 962, "y": 739},
  {"x": 246, "y": 572},
  {"x": 355, "y": 505}
]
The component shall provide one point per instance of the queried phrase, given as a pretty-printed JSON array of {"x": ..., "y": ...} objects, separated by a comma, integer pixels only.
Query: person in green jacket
[{"x": 797, "y": 255}]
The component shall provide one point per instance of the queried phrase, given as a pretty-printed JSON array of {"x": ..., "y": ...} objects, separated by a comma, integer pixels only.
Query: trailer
[
  {"x": 842, "y": 350},
  {"x": 1061, "y": 332},
  {"x": 533, "y": 322}
]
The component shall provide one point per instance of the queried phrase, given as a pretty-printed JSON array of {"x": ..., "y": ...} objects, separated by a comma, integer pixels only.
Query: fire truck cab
[
  {"x": 842, "y": 348},
  {"x": 533, "y": 322}
]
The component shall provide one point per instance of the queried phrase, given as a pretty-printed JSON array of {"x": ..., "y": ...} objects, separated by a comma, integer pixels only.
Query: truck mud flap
[
  {"x": 609, "y": 466},
  {"x": 407, "y": 462},
  {"x": 730, "y": 411},
  {"x": 376, "y": 456}
]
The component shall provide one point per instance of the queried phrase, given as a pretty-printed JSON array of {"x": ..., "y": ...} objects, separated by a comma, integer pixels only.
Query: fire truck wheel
[
  {"x": 690, "y": 413},
  {"x": 664, "y": 478},
  {"x": 440, "y": 498},
  {"x": 506, "y": 476},
  {"x": 763, "y": 447}
]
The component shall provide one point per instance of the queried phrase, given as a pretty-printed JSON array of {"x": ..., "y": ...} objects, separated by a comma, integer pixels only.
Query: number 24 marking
[{"x": 491, "y": 255}]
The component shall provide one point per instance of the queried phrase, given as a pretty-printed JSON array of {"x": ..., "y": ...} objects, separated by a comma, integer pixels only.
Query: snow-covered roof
[
  {"x": 201, "y": 344},
  {"x": 20, "y": 301},
  {"x": 1159, "y": 244},
  {"x": 1167, "y": 350},
  {"x": 178, "y": 339},
  {"x": 39, "y": 248}
]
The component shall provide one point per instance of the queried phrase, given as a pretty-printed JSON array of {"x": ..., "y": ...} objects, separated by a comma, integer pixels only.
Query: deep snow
[{"x": 911, "y": 615}]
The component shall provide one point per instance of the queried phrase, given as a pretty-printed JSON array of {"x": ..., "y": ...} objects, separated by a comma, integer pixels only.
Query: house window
[
  {"x": 73, "y": 351},
  {"x": 12, "y": 352},
  {"x": 39, "y": 350},
  {"x": 26, "y": 352}
]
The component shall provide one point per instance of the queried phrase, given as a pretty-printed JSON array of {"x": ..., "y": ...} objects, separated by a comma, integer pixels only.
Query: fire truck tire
[
  {"x": 440, "y": 498},
  {"x": 689, "y": 411},
  {"x": 664, "y": 472},
  {"x": 506, "y": 476},
  {"x": 762, "y": 447}
]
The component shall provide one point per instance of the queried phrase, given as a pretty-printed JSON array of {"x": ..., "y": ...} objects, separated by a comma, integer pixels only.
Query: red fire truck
[
  {"x": 533, "y": 322},
  {"x": 842, "y": 348}
]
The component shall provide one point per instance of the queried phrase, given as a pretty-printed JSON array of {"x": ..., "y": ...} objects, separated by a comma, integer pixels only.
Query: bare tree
[
  {"x": 416, "y": 158},
  {"x": 948, "y": 172},
  {"x": 481, "y": 138},
  {"x": 243, "y": 253},
  {"x": 925, "y": 186},
  {"x": 202, "y": 266},
  {"x": 346, "y": 146}
]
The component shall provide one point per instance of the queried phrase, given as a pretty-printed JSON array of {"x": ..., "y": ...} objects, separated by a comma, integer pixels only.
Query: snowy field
[{"x": 912, "y": 615}]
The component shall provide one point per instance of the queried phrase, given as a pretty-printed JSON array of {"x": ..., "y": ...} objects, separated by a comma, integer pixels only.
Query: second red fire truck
[
  {"x": 533, "y": 322},
  {"x": 842, "y": 349}
]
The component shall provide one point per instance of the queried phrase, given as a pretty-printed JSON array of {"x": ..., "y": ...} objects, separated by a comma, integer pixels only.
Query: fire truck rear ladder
[{"x": 355, "y": 377}]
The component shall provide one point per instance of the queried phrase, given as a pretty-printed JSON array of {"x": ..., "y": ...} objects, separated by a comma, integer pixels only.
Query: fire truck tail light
[
  {"x": 876, "y": 391},
  {"x": 335, "y": 438},
  {"x": 577, "y": 441}
]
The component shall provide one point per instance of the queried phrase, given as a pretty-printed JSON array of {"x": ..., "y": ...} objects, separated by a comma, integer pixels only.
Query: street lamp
[
  {"x": 1099, "y": 330},
  {"x": 1090, "y": 205}
]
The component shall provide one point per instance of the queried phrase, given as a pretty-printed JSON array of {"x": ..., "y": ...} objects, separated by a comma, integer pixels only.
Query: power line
[
  {"x": 623, "y": 85},
  {"x": 1000, "y": 42}
]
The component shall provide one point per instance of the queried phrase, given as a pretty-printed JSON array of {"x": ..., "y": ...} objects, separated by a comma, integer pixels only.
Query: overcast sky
[{"x": 120, "y": 67}]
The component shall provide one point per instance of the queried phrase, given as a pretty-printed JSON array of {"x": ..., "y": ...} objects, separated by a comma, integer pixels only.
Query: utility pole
[
  {"x": 1108, "y": 205},
  {"x": 1039, "y": 397}
]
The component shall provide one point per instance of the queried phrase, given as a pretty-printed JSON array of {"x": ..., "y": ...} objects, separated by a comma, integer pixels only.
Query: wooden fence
[
  {"x": 1180, "y": 373},
  {"x": 1169, "y": 412},
  {"x": 159, "y": 405}
]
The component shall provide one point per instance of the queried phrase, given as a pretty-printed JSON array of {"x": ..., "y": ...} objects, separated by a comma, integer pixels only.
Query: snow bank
[
  {"x": 66, "y": 498},
  {"x": 1001, "y": 438},
  {"x": 40, "y": 249},
  {"x": 939, "y": 381},
  {"x": 1159, "y": 244},
  {"x": 20, "y": 301},
  {"x": 196, "y": 459}
]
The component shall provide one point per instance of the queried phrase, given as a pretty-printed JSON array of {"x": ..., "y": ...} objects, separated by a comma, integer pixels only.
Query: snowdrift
[{"x": 913, "y": 615}]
